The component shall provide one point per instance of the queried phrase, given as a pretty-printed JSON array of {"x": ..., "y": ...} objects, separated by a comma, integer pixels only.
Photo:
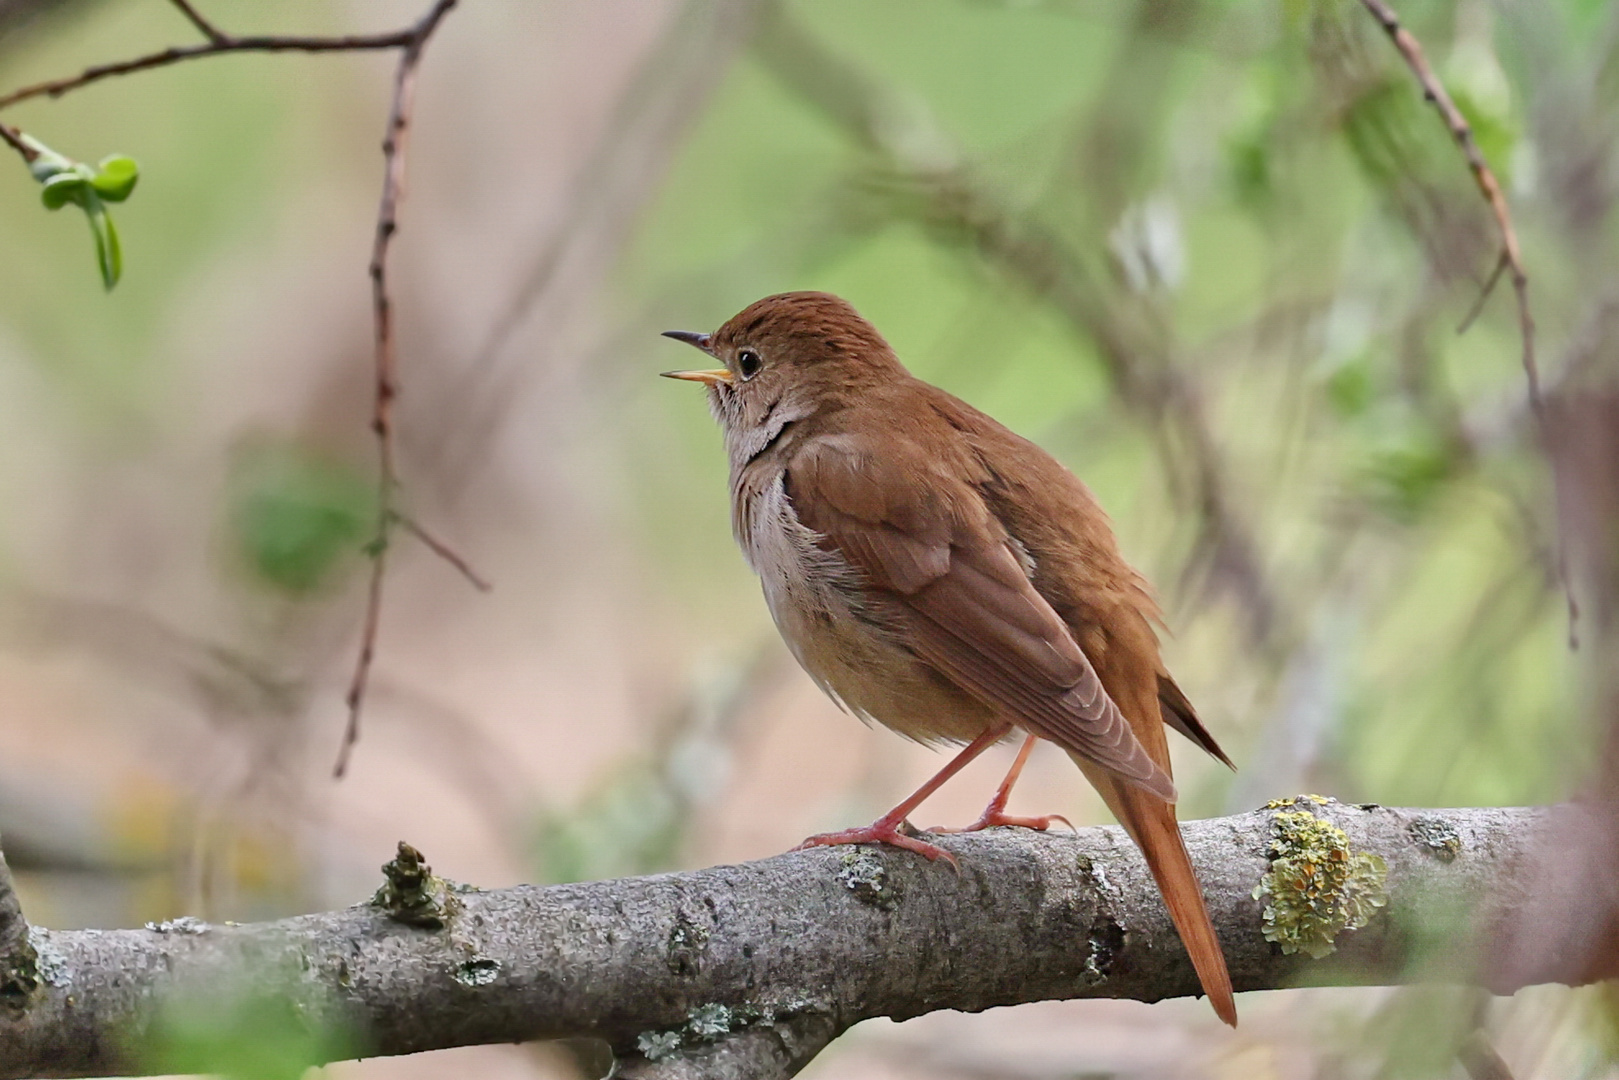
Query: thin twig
[
  {"x": 1483, "y": 295},
  {"x": 1511, "y": 256},
  {"x": 175, "y": 54},
  {"x": 13, "y": 138},
  {"x": 206, "y": 28},
  {"x": 443, "y": 551},
  {"x": 411, "y": 41},
  {"x": 387, "y": 386}
]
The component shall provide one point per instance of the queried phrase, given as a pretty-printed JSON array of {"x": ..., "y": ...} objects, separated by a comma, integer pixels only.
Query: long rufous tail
[{"x": 1151, "y": 824}]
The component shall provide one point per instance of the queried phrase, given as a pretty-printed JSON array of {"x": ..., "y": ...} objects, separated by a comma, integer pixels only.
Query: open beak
[
  {"x": 717, "y": 375},
  {"x": 699, "y": 341}
]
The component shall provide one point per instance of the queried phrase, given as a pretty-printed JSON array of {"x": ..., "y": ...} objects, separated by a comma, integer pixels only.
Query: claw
[
  {"x": 992, "y": 817},
  {"x": 883, "y": 831}
]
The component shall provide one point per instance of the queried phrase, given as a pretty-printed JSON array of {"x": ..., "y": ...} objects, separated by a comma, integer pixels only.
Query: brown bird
[{"x": 936, "y": 573}]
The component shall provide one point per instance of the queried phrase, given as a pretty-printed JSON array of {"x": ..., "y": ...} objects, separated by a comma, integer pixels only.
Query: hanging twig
[
  {"x": 1511, "y": 259},
  {"x": 410, "y": 41},
  {"x": 443, "y": 551},
  {"x": 387, "y": 384}
]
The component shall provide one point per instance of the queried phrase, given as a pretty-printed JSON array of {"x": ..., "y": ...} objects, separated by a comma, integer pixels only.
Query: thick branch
[{"x": 756, "y": 966}]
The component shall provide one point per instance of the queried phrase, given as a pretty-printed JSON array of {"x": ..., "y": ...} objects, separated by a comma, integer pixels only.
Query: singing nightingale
[{"x": 934, "y": 572}]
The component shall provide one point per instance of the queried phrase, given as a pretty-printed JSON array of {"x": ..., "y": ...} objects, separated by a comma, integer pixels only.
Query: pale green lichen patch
[
  {"x": 479, "y": 971},
  {"x": 712, "y": 1022},
  {"x": 50, "y": 965},
  {"x": 864, "y": 875},
  {"x": 657, "y": 1045},
  {"x": 1317, "y": 886},
  {"x": 709, "y": 1022},
  {"x": 1438, "y": 836}
]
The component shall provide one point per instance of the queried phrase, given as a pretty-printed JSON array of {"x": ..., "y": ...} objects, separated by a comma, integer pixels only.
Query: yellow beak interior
[{"x": 717, "y": 375}]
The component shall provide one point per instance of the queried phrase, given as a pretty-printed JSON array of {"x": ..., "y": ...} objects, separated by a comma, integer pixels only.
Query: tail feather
[{"x": 1151, "y": 824}]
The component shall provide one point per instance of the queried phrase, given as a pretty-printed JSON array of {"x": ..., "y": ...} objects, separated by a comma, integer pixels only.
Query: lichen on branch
[{"x": 1317, "y": 885}]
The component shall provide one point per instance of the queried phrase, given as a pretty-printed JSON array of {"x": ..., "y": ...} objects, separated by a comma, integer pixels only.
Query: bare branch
[
  {"x": 207, "y": 29},
  {"x": 394, "y": 143},
  {"x": 410, "y": 41},
  {"x": 398, "y": 39},
  {"x": 754, "y": 967},
  {"x": 444, "y": 551},
  {"x": 1433, "y": 91},
  {"x": 13, "y": 138}
]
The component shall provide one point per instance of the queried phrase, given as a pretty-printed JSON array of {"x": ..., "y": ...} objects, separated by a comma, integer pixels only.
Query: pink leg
[
  {"x": 995, "y": 813},
  {"x": 886, "y": 829}
]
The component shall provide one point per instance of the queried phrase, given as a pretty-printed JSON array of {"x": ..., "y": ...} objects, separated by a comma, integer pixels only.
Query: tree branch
[
  {"x": 387, "y": 363},
  {"x": 227, "y": 43},
  {"x": 1511, "y": 258},
  {"x": 748, "y": 970},
  {"x": 410, "y": 42}
]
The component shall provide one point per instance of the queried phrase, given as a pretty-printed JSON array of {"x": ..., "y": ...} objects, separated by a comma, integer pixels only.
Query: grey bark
[{"x": 749, "y": 970}]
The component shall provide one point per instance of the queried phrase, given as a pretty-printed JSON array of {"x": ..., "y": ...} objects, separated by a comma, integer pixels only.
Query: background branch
[
  {"x": 220, "y": 43},
  {"x": 749, "y": 969},
  {"x": 410, "y": 41},
  {"x": 387, "y": 379},
  {"x": 1511, "y": 258}
]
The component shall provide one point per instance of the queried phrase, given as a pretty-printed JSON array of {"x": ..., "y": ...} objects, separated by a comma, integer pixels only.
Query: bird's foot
[
  {"x": 994, "y": 815},
  {"x": 894, "y": 832}
]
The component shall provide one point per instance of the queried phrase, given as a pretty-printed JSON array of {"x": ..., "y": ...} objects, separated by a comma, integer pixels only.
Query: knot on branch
[
  {"x": 19, "y": 962},
  {"x": 19, "y": 973},
  {"x": 412, "y": 894}
]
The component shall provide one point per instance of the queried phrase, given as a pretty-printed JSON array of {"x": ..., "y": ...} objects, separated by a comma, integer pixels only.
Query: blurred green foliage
[
  {"x": 295, "y": 516},
  {"x": 628, "y": 824},
  {"x": 242, "y": 1037}
]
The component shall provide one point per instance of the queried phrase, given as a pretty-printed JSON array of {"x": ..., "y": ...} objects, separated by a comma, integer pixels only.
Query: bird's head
[{"x": 784, "y": 359}]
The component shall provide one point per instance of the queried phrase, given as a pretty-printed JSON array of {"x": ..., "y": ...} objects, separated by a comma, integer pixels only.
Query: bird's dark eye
[{"x": 747, "y": 363}]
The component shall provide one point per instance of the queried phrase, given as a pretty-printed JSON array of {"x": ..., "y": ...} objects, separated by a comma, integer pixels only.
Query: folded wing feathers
[{"x": 976, "y": 616}]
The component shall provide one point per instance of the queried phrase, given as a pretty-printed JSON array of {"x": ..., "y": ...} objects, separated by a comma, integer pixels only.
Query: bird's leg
[
  {"x": 995, "y": 813},
  {"x": 888, "y": 829}
]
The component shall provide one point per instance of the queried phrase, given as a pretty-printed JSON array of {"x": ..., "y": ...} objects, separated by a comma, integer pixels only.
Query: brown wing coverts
[{"x": 931, "y": 546}]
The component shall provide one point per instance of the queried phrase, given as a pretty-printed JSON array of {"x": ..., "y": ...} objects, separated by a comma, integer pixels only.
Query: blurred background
[{"x": 1211, "y": 254}]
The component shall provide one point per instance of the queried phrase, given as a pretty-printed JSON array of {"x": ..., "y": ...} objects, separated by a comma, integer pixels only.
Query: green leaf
[
  {"x": 116, "y": 177},
  {"x": 61, "y": 189},
  {"x": 109, "y": 253},
  {"x": 112, "y": 268}
]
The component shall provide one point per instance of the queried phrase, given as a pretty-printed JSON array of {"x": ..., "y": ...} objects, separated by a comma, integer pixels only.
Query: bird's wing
[{"x": 924, "y": 538}]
